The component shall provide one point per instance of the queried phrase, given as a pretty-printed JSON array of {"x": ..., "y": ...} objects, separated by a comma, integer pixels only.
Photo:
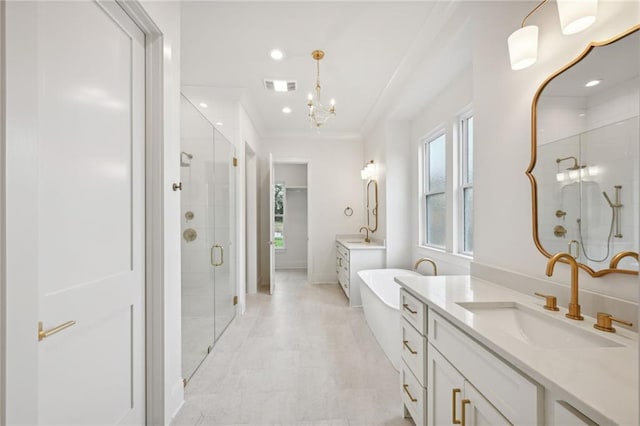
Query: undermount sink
[
  {"x": 533, "y": 327},
  {"x": 356, "y": 242}
]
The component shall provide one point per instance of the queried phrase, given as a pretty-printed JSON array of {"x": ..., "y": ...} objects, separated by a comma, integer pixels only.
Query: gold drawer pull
[
  {"x": 406, "y": 306},
  {"x": 453, "y": 406},
  {"x": 464, "y": 403},
  {"x": 406, "y": 345},
  {"x": 44, "y": 334},
  {"x": 406, "y": 389}
]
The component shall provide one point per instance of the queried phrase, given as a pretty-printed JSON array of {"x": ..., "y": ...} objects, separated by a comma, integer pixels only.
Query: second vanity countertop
[
  {"x": 602, "y": 382},
  {"x": 356, "y": 242}
]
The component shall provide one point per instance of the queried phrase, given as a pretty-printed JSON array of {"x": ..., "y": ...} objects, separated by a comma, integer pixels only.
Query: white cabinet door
[
  {"x": 477, "y": 411},
  {"x": 445, "y": 389}
]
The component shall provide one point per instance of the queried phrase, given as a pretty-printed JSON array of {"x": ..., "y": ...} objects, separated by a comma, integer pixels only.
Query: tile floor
[{"x": 299, "y": 357}]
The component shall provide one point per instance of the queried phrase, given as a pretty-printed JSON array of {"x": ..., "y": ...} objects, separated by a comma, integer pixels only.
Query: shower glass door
[
  {"x": 197, "y": 239},
  {"x": 224, "y": 214}
]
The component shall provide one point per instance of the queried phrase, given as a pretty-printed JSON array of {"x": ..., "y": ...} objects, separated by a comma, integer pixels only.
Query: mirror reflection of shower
[
  {"x": 184, "y": 163},
  {"x": 615, "y": 222}
]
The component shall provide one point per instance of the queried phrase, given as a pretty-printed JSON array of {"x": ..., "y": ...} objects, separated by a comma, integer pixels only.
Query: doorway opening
[{"x": 290, "y": 218}]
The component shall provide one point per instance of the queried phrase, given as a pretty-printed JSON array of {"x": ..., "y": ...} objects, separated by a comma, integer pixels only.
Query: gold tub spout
[
  {"x": 618, "y": 257},
  {"x": 574, "y": 307},
  {"x": 424, "y": 259}
]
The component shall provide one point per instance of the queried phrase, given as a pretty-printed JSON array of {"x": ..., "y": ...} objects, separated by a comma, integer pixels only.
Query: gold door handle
[
  {"x": 463, "y": 416},
  {"x": 406, "y": 389},
  {"x": 406, "y": 306},
  {"x": 454, "y": 392},
  {"x": 42, "y": 334},
  {"x": 406, "y": 345}
]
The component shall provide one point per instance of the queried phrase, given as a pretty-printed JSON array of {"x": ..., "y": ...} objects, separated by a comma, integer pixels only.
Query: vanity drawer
[
  {"x": 414, "y": 396},
  {"x": 414, "y": 311},
  {"x": 414, "y": 351},
  {"x": 514, "y": 395},
  {"x": 343, "y": 251}
]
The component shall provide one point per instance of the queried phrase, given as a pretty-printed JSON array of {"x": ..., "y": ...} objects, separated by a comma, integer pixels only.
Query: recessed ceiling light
[
  {"x": 219, "y": 123},
  {"x": 203, "y": 105},
  {"x": 276, "y": 54},
  {"x": 286, "y": 110},
  {"x": 593, "y": 83}
]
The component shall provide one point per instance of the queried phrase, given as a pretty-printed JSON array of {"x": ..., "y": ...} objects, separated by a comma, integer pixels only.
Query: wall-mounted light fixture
[
  {"x": 368, "y": 172},
  {"x": 575, "y": 16}
]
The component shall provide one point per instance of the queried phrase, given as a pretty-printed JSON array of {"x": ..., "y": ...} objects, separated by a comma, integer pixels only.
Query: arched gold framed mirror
[
  {"x": 372, "y": 205},
  {"x": 584, "y": 168}
]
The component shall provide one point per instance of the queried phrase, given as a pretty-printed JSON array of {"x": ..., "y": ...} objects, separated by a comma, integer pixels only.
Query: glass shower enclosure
[{"x": 207, "y": 206}]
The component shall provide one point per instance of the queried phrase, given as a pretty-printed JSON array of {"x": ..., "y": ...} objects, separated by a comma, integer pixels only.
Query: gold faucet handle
[
  {"x": 551, "y": 302},
  {"x": 604, "y": 322}
]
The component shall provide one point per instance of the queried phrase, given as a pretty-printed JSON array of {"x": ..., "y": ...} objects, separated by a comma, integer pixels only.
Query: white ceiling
[{"x": 368, "y": 47}]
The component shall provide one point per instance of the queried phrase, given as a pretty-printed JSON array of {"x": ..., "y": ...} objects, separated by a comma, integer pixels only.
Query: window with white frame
[
  {"x": 278, "y": 215},
  {"x": 434, "y": 187},
  {"x": 465, "y": 223}
]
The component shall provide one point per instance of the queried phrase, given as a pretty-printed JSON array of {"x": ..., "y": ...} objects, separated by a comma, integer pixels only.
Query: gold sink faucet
[
  {"x": 366, "y": 238},
  {"x": 574, "y": 307},
  {"x": 424, "y": 259}
]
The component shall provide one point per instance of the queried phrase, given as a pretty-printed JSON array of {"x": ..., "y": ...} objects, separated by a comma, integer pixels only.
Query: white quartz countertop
[
  {"x": 357, "y": 243},
  {"x": 601, "y": 382}
]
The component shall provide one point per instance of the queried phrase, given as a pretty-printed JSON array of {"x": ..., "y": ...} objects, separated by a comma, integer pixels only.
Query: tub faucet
[
  {"x": 424, "y": 259},
  {"x": 366, "y": 238},
  {"x": 574, "y": 307}
]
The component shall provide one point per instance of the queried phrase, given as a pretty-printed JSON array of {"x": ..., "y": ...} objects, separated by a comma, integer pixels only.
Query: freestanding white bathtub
[{"x": 381, "y": 304}]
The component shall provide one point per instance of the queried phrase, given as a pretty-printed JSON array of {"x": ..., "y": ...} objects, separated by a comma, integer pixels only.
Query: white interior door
[
  {"x": 75, "y": 207},
  {"x": 272, "y": 246}
]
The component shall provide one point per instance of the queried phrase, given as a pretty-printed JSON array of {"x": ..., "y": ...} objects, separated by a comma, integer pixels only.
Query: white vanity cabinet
[
  {"x": 413, "y": 370},
  {"x": 464, "y": 377},
  {"x": 351, "y": 258}
]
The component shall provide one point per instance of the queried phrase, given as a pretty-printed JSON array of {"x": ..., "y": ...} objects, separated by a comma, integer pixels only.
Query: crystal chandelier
[{"x": 318, "y": 113}]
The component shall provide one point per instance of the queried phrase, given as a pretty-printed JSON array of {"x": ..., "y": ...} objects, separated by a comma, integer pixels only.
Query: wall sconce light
[
  {"x": 368, "y": 172},
  {"x": 575, "y": 16}
]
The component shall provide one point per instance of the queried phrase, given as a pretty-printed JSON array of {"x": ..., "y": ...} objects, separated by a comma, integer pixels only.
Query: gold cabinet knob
[
  {"x": 551, "y": 302},
  {"x": 605, "y": 320}
]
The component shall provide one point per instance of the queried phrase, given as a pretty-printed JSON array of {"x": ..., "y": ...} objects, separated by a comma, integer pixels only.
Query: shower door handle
[{"x": 213, "y": 262}]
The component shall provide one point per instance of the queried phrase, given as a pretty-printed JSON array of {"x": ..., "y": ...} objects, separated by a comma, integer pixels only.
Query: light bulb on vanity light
[
  {"x": 523, "y": 47},
  {"x": 576, "y": 16}
]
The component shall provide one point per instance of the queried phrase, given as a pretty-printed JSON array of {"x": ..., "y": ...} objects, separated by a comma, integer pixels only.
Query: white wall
[
  {"x": 249, "y": 141},
  {"x": 502, "y": 106},
  {"x": 387, "y": 144},
  {"x": 334, "y": 183}
]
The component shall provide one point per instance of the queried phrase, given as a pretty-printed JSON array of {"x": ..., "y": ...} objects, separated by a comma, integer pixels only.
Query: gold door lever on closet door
[{"x": 42, "y": 334}]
